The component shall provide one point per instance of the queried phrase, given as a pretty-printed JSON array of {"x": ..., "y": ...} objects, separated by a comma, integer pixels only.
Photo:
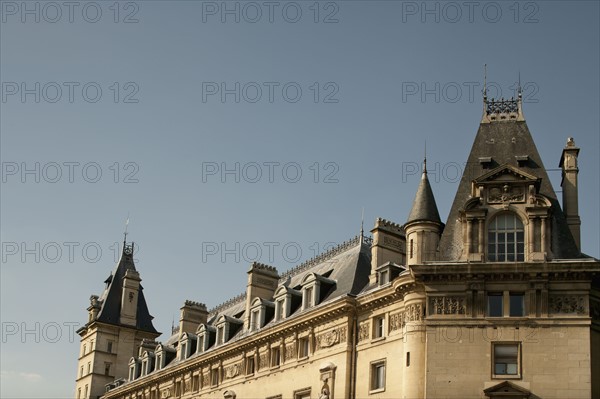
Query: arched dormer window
[
  {"x": 287, "y": 300},
  {"x": 313, "y": 286},
  {"x": 506, "y": 238},
  {"x": 187, "y": 345},
  {"x": 134, "y": 368},
  {"x": 261, "y": 312}
]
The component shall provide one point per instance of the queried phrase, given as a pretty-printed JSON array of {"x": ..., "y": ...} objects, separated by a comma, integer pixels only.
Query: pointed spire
[{"x": 424, "y": 207}]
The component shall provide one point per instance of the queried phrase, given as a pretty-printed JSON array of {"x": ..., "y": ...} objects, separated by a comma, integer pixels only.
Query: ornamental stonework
[
  {"x": 395, "y": 321},
  {"x": 330, "y": 338},
  {"x": 447, "y": 305},
  {"x": 414, "y": 312},
  {"x": 290, "y": 351},
  {"x": 363, "y": 331},
  {"x": 567, "y": 304},
  {"x": 506, "y": 193},
  {"x": 232, "y": 371},
  {"x": 205, "y": 380},
  {"x": 263, "y": 361}
]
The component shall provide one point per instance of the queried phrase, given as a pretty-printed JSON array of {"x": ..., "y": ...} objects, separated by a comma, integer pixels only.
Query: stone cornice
[{"x": 309, "y": 319}]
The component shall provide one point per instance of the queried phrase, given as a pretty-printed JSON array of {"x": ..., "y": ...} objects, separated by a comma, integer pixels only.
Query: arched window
[{"x": 506, "y": 239}]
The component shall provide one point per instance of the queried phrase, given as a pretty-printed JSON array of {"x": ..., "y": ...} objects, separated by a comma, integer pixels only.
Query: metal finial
[
  {"x": 519, "y": 91},
  {"x": 362, "y": 224},
  {"x": 484, "y": 81},
  {"x": 125, "y": 233},
  {"x": 425, "y": 159}
]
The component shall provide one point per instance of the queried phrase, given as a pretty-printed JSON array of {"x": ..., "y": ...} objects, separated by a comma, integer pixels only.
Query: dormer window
[
  {"x": 226, "y": 328},
  {"x": 134, "y": 369},
  {"x": 206, "y": 337},
  {"x": 287, "y": 300},
  {"x": 506, "y": 239},
  {"x": 187, "y": 345},
  {"x": 147, "y": 363},
  {"x": 255, "y": 320},
  {"x": 261, "y": 312},
  {"x": 309, "y": 297},
  {"x": 220, "y": 334},
  {"x": 313, "y": 286},
  {"x": 280, "y": 309}
]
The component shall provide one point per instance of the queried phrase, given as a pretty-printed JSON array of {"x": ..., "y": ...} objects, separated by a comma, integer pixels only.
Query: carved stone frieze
[
  {"x": 447, "y": 305},
  {"x": 290, "y": 351},
  {"x": 395, "y": 321},
  {"x": 205, "y": 379},
  {"x": 414, "y": 312},
  {"x": 567, "y": 304},
  {"x": 363, "y": 331},
  {"x": 263, "y": 361}
]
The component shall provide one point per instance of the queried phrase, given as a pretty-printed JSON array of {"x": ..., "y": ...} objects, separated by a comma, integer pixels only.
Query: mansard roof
[
  {"x": 110, "y": 310},
  {"x": 424, "y": 207},
  {"x": 508, "y": 143},
  {"x": 347, "y": 266}
]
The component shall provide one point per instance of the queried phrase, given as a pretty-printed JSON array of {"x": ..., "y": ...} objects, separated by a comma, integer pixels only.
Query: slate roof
[
  {"x": 424, "y": 207},
  {"x": 503, "y": 142},
  {"x": 110, "y": 310},
  {"x": 349, "y": 268}
]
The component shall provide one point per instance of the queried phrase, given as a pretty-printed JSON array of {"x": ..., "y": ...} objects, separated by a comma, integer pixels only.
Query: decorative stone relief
[
  {"x": 165, "y": 393},
  {"x": 232, "y": 371},
  {"x": 290, "y": 351},
  {"x": 567, "y": 304},
  {"x": 506, "y": 193},
  {"x": 447, "y": 305},
  {"x": 263, "y": 361},
  {"x": 331, "y": 338},
  {"x": 205, "y": 379},
  {"x": 414, "y": 312},
  {"x": 395, "y": 321},
  {"x": 363, "y": 331}
]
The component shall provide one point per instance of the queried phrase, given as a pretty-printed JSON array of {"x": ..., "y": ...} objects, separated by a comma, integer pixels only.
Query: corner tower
[{"x": 118, "y": 321}]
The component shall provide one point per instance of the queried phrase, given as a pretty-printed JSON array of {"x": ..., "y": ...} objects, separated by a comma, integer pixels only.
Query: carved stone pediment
[{"x": 506, "y": 173}]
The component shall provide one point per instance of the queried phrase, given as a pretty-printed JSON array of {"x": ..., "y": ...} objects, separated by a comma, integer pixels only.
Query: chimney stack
[
  {"x": 129, "y": 297},
  {"x": 262, "y": 283},
  {"x": 192, "y": 315},
  {"x": 570, "y": 197}
]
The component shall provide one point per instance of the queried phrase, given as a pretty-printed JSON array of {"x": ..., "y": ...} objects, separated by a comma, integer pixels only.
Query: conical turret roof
[{"x": 424, "y": 207}]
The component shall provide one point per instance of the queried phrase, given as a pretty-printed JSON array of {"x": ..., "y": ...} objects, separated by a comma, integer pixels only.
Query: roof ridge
[
  {"x": 296, "y": 269},
  {"x": 322, "y": 257}
]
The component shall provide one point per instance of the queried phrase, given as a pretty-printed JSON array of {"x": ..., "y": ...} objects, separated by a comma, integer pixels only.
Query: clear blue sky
[{"x": 343, "y": 92}]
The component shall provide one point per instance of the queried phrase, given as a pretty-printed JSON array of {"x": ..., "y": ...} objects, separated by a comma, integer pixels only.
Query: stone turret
[{"x": 424, "y": 226}]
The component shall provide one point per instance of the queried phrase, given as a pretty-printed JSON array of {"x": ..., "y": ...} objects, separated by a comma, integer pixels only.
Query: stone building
[{"x": 498, "y": 302}]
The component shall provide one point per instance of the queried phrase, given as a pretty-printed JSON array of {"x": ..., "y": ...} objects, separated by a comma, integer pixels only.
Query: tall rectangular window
[
  {"x": 275, "y": 356},
  {"x": 506, "y": 360},
  {"x": 280, "y": 309},
  {"x": 255, "y": 320},
  {"x": 379, "y": 327},
  {"x": 495, "y": 306},
  {"x": 378, "y": 375},
  {"x": 303, "y": 347},
  {"x": 250, "y": 365},
  {"x": 214, "y": 377},
  {"x": 220, "y": 335},
  {"x": 109, "y": 346},
  {"x": 517, "y": 304},
  {"x": 308, "y": 297},
  {"x": 201, "y": 343}
]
